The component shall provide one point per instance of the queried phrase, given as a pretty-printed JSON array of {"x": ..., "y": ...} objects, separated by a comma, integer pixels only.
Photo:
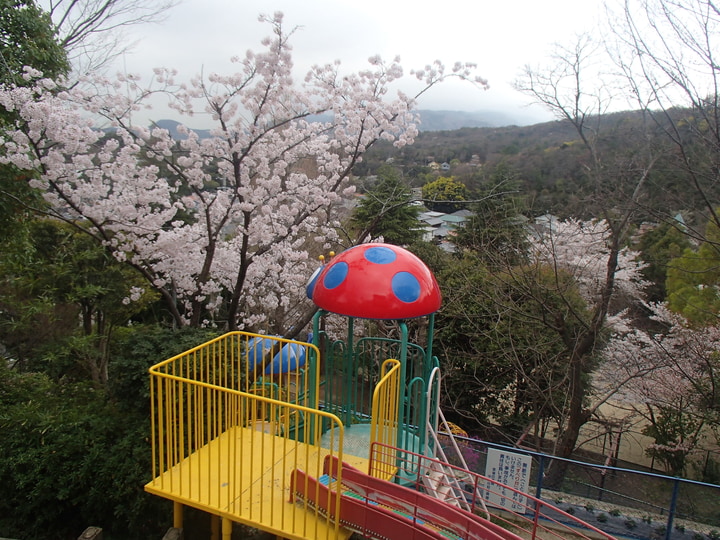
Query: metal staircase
[{"x": 446, "y": 483}]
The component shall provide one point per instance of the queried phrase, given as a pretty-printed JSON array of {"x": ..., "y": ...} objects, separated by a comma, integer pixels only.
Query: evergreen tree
[
  {"x": 657, "y": 248},
  {"x": 61, "y": 291},
  {"x": 497, "y": 230},
  {"x": 387, "y": 211},
  {"x": 28, "y": 38},
  {"x": 693, "y": 279},
  {"x": 503, "y": 363}
]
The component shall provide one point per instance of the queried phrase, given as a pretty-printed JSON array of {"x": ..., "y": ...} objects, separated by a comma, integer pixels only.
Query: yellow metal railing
[
  {"x": 385, "y": 411},
  {"x": 229, "y": 426}
]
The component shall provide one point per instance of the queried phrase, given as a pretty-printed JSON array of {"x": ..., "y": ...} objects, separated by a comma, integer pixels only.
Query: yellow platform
[
  {"x": 225, "y": 436},
  {"x": 243, "y": 475}
]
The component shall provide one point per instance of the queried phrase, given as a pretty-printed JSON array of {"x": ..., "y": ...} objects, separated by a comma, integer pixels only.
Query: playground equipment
[
  {"x": 382, "y": 285},
  {"x": 263, "y": 355},
  {"x": 277, "y": 434}
]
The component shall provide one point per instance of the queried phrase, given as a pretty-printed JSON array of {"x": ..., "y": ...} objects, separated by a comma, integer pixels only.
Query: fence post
[
  {"x": 671, "y": 511},
  {"x": 541, "y": 473},
  {"x": 538, "y": 493}
]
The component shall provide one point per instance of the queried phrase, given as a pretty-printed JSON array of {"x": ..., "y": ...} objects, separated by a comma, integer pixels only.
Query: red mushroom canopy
[{"x": 376, "y": 281}]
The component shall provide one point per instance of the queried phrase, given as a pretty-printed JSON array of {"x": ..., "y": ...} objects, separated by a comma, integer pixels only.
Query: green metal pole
[
  {"x": 404, "y": 390},
  {"x": 429, "y": 347},
  {"x": 350, "y": 375}
]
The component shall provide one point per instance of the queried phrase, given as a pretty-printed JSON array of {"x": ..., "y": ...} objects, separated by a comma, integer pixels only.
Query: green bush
[
  {"x": 73, "y": 460},
  {"x": 135, "y": 350},
  {"x": 78, "y": 455}
]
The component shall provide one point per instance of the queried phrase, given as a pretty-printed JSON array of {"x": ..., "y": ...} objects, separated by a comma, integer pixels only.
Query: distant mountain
[
  {"x": 172, "y": 127},
  {"x": 429, "y": 121},
  {"x": 451, "y": 120}
]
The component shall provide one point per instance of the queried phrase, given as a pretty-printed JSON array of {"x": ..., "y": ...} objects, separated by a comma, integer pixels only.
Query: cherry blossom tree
[
  {"x": 223, "y": 227},
  {"x": 678, "y": 395},
  {"x": 610, "y": 280},
  {"x": 582, "y": 248},
  {"x": 574, "y": 87}
]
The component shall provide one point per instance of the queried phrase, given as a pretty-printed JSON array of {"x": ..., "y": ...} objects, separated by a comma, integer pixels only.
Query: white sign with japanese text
[{"x": 511, "y": 470}]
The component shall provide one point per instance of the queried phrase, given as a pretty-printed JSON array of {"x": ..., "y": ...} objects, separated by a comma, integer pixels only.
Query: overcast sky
[{"x": 500, "y": 36}]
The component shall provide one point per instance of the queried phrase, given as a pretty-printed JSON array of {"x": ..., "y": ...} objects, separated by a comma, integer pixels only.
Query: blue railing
[{"x": 620, "y": 501}]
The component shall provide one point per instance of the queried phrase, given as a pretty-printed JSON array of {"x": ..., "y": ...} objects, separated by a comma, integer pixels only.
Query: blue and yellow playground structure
[{"x": 320, "y": 439}]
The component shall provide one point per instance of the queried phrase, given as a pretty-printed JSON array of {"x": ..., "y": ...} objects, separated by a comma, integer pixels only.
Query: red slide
[{"x": 381, "y": 509}]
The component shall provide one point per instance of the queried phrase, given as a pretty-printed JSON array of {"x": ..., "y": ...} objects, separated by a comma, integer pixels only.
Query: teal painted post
[
  {"x": 402, "y": 433},
  {"x": 319, "y": 340},
  {"x": 429, "y": 346},
  {"x": 349, "y": 376}
]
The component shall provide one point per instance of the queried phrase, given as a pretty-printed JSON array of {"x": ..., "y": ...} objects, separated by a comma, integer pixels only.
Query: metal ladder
[{"x": 441, "y": 480}]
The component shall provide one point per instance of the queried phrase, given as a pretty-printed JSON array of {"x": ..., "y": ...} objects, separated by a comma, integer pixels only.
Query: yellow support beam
[
  {"x": 226, "y": 529},
  {"x": 177, "y": 515}
]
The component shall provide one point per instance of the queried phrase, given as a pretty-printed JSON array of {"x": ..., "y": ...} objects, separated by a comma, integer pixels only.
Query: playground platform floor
[
  {"x": 356, "y": 441},
  {"x": 244, "y": 475}
]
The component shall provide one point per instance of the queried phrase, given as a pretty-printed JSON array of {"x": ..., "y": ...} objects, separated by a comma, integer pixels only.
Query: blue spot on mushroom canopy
[
  {"x": 406, "y": 287},
  {"x": 380, "y": 255},
  {"x": 335, "y": 275}
]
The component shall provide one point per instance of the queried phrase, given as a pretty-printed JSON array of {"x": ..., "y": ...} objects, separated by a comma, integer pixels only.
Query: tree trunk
[
  {"x": 577, "y": 416},
  {"x": 565, "y": 447}
]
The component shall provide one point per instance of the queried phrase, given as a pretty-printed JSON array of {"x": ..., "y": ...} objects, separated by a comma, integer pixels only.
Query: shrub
[
  {"x": 74, "y": 459},
  {"x": 78, "y": 453}
]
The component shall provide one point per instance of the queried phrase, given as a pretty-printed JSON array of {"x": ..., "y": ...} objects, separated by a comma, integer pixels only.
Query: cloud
[{"x": 500, "y": 37}]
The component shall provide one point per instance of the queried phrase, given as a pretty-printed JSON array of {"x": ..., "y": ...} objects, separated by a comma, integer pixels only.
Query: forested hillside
[{"x": 551, "y": 162}]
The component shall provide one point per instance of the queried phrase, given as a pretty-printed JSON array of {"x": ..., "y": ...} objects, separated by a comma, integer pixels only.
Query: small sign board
[{"x": 511, "y": 470}]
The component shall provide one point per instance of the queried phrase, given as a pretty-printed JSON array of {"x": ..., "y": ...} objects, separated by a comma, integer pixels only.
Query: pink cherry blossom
[{"x": 223, "y": 227}]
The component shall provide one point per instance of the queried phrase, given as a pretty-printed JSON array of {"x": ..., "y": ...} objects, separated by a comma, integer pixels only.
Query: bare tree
[
  {"x": 575, "y": 88},
  {"x": 92, "y": 31},
  {"x": 667, "y": 52}
]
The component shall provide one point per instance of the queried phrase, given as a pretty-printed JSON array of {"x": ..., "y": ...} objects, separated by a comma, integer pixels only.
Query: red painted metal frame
[
  {"x": 541, "y": 512},
  {"x": 417, "y": 504},
  {"x": 369, "y": 520},
  {"x": 381, "y": 509}
]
